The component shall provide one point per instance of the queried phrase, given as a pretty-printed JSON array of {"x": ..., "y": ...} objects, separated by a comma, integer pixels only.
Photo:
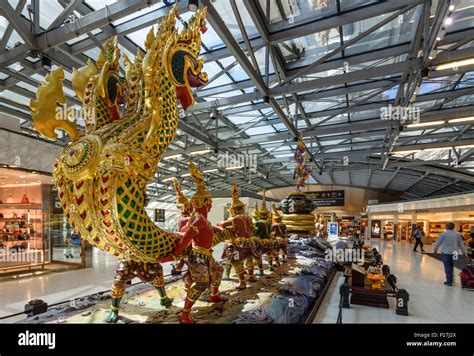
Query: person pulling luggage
[{"x": 450, "y": 242}]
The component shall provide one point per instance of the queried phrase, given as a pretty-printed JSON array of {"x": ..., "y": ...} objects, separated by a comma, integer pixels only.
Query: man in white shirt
[{"x": 451, "y": 242}]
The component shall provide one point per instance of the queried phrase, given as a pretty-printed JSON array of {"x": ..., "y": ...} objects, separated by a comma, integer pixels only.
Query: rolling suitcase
[{"x": 467, "y": 276}]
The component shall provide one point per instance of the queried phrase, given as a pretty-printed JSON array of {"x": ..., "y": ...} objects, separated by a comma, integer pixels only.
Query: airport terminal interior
[{"x": 236, "y": 162}]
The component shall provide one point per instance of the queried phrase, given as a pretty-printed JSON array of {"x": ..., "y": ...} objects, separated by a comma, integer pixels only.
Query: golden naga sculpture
[
  {"x": 129, "y": 122},
  {"x": 44, "y": 111}
]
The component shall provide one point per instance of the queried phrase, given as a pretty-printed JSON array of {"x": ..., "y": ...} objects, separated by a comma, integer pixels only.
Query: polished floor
[
  {"x": 422, "y": 276},
  {"x": 57, "y": 287},
  {"x": 63, "y": 286}
]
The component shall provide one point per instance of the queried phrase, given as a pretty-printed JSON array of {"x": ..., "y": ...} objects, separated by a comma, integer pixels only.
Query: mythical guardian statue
[{"x": 102, "y": 174}]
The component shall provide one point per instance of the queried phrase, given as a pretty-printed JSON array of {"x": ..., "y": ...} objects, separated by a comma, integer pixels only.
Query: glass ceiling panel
[
  {"x": 99, "y": 4},
  {"x": 311, "y": 47},
  {"x": 37, "y": 77},
  {"x": 137, "y": 14},
  {"x": 236, "y": 72},
  {"x": 93, "y": 53},
  {"x": 16, "y": 67},
  {"x": 299, "y": 11},
  {"x": 15, "y": 97},
  {"x": 260, "y": 58},
  {"x": 467, "y": 80},
  {"x": 227, "y": 95},
  {"x": 280, "y": 127},
  {"x": 3, "y": 76},
  {"x": 26, "y": 86},
  {"x": 26, "y": 111},
  {"x": 461, "y": 101},
  {"x": 3, "y": 25},
  {"x": 49, "y": 10},
  {"x": 227, "y": 14},
  {"x": 463, "y": 16},
  {"x": 238, "y": 120},
  {"x": 14, "y": 3},
  {"x": 430, "y": 86},
  {"x": 225, "y": 135},
  {"x": 329, "y": 103},
  {"x": 395, "y": 32},
  {"x": 335, "y": 120},
  {"x": 14, "y": 39},
  {"x": 212, "y": 68},
  {"x": 259, "y": 130},
  {"x": 361, "y": 95},
  {"x": 83, "y": 37},
  {"x": 353, "y": 4},
  {"x": 138, "y": 37}
]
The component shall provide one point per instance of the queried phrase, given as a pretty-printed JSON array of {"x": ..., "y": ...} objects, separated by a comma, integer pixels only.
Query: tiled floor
[
  {"x": 57, "y": 287},
  {"x": 63, "y": 286},
  {"x": 422, "y": 276}
]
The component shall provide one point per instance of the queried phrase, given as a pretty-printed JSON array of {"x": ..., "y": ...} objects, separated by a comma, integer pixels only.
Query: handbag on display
[{"x": 24, "y": 199}]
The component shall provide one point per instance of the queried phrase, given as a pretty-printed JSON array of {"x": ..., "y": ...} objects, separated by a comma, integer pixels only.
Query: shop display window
[
  {"x": 23, "y": 240},
  {"x": 34, "y": 233}
]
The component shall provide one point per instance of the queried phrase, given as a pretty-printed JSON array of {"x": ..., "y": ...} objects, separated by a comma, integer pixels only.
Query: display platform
[{"x": 287, "y": 295}]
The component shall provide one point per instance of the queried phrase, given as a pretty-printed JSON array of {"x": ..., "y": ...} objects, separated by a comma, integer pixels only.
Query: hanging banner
[{"x": 327, "y": 198}]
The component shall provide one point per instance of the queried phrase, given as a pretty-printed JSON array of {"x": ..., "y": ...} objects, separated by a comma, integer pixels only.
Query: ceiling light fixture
[
  {"x": 233, "y": 168},
  {"x": 193, "y": 5},
  {"x": 201, "y": 152},
  {"x": 448, "y": 21},
  {"x": 211, "y": 170},
  {"x": 456, "y": 64},
  {"x": 174, "y": 156},
  {"x": 401, "y": 151},
  {"x": 423, "y": 124},
  {"x": 167, "y": 179},
  {"x": 462, "y": 119}
]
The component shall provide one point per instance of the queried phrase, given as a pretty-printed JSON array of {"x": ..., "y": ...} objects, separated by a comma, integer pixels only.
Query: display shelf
[
  {"x": 20, "y": 206},
  {"x": 388, "y": 231},
  {"x": 465, "y": 230},
  {"x": 32, "y": 221},
  {"x": 14, "y": 233},
  {"x": 436, "y": 228}
]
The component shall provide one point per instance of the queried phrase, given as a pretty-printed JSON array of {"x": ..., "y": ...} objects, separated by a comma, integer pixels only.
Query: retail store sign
[
  {"x": 327, "y": 198},
  {"x": 332, "y": 231},
  {"x": 159, "y": 215}
]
